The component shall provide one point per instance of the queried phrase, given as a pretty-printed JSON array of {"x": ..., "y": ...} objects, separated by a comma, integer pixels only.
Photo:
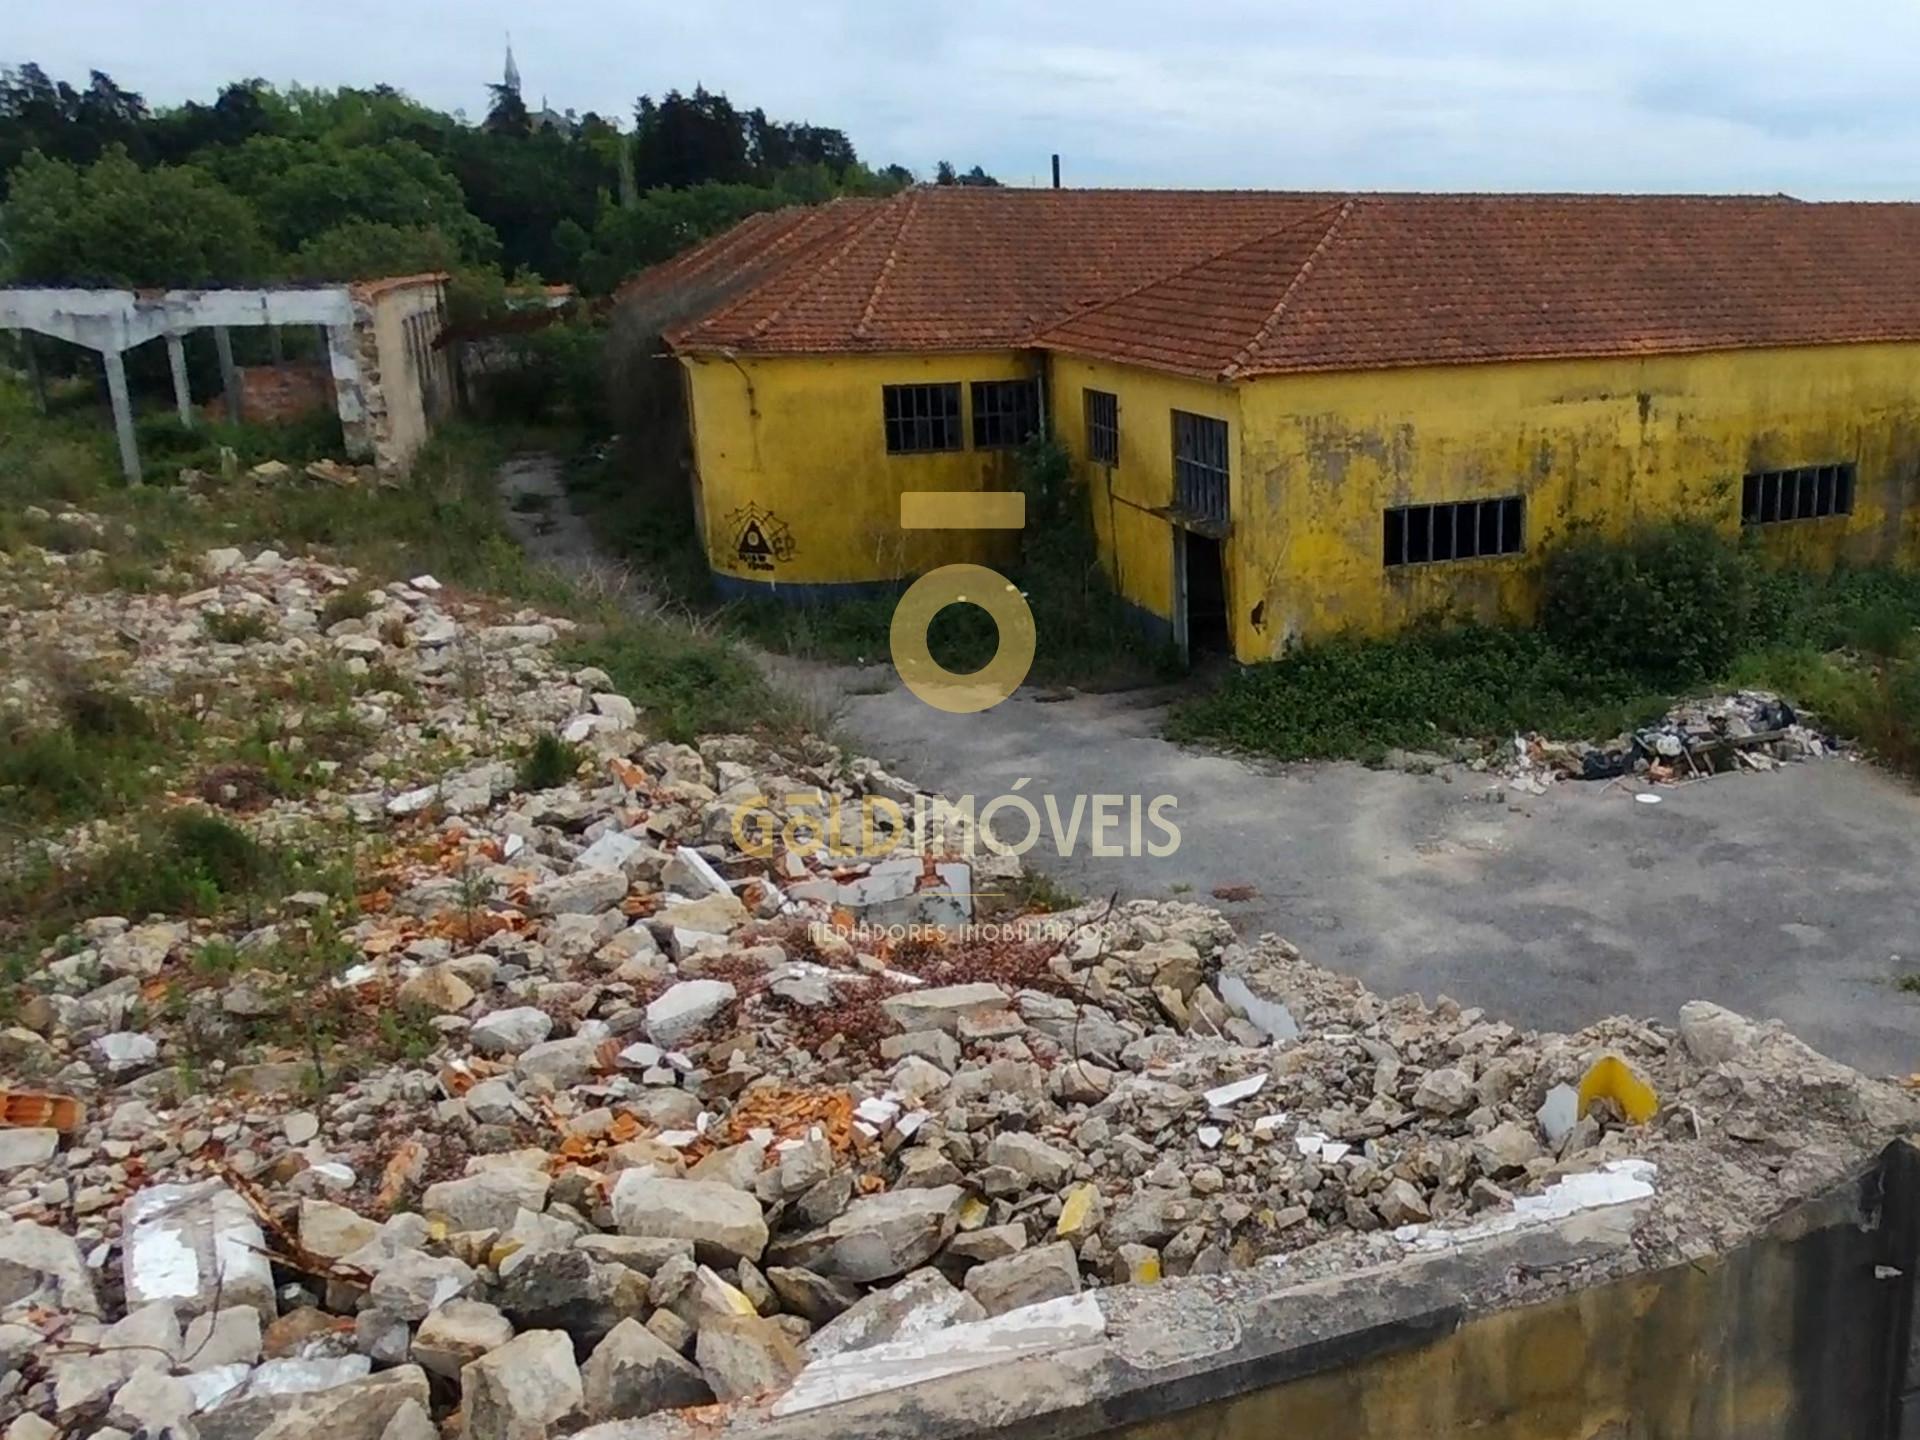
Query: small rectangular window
[
  {"x": 1103, "y": 427},
  {"x": 1808, "y": 492},
  {"x": 1200, "y": 466},
  {"x": 1456, "y": 530},
  {"x": 1006, "y": 413},
  {"x": 920, "y": 418}
]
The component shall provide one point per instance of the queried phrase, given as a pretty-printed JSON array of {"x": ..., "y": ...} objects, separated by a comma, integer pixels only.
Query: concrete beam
[
  {"x": 182, "y": 393},
  {"x": 122, "y": 414},
  {"x": 120, "y": 319}
]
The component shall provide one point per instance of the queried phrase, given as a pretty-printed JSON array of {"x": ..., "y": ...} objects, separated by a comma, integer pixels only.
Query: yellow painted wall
[
  {"x": 801, "y": 437},
  {"x": 1605, "y": 442},
  {"x": 1137, "y": 545}
]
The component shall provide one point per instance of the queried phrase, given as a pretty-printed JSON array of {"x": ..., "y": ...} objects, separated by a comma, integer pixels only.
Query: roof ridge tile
[{"x": 1267, "y": 326}]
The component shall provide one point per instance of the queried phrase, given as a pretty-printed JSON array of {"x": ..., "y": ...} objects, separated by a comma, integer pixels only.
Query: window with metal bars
[
  {"x": 1457, "y": 530},
  {"x": 1200, "y": 469},
  {"x": 921, "y": 417},
  {"x": 1807, "y": 492},
  {"x": 1005, "y": 413},
  {"x": 1103, "y": 427}
]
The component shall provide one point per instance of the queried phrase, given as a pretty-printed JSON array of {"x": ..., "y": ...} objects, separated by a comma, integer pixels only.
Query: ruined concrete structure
[
  {"x": 390, "y": 383},
  {"x": 1298, "y": 413}
]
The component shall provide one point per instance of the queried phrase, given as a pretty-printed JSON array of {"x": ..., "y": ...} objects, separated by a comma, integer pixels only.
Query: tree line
[{"x": 99, "y": 188}]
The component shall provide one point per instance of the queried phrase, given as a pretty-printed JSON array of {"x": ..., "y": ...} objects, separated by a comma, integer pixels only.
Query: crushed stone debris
[{"x": 668, "y": 1127}]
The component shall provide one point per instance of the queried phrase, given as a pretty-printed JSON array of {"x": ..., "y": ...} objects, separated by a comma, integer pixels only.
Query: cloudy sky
[{"x": 1816, "y": 100}]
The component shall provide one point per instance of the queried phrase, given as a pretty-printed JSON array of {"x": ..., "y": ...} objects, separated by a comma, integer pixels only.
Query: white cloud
[{"x": 1481, "y": 94}]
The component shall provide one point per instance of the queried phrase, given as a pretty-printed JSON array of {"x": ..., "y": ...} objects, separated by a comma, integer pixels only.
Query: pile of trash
[
  {"x": 1747, "y": 730},
  {"x": 582, "y": 1107}
]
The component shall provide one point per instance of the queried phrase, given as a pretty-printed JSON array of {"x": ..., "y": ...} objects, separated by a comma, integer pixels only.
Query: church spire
[{"x": 512, "y": 74}]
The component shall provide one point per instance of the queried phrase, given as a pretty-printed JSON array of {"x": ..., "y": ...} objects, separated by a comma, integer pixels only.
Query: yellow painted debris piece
[
  {"x": 1612, "y": 1078},
  {"x": 973, "y": 1213},
  {"x": 1145, "y": 1270},
  {"x": 1077, "y": 1215}
]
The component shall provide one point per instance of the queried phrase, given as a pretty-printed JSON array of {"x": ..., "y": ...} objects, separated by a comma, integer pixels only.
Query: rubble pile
[
  {"x": 1747, "y": 730},
  {"x": 596, "y": 1108}
]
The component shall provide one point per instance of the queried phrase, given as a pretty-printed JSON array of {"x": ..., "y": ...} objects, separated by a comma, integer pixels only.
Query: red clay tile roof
[{"x": 1228, "y": 284}]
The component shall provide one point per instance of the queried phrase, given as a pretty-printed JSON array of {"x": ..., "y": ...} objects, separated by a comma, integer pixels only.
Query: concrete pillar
[
  {"x": 122, "y": 414},
  {"x": 229, "y": 377},
  {"x": 177, "y": 362},
  {"x": 349, "y": 391},
  {"x": 273, "y": 345},
  {"x": 36, "y": 382}
]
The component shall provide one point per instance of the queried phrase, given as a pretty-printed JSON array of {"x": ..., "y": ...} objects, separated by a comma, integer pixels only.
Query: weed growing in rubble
[
  {"x": 104, "y": 755},
  {"x": 354, "y": 603},
  {"x": 237, "y": 627},
  {"x": 549, "y": 762}
]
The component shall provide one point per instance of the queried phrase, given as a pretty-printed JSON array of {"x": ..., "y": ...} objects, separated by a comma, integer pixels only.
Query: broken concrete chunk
[
  {"x": 519, "y": 1390},
  {"x": 41, "y": 1266},
  {"x": 924, "y": 1303},
  {"x": 684, "y": 1009},
  {"x": 295, "y": 1400},
  {"x": 1045, "y": 1165},
  {"x": 196, "y": 1246},
  {"x": 881, "y": 1236},
  {"x": 331, "y": 1231},
  {"x": 1559, "y": 1113},
  {"x": 412, "y": 1285},
  {"x": 1048, "y": 1272},
  {"x": 742, "y": 1355},
  {"x": 584, "y": 892},
  {"x": 489, "y": 1200},
  {"x": 456, "y": 1334},
  {"x": 724, "y": 1224},
  {"x": 941, "y": 1008},
  {"x": 632, "y": 1372},
  {"x": 508, "y": 1032}
]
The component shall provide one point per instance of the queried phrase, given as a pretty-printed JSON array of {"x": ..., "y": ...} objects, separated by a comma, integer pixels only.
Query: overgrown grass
[
  {"x": 1354, "y": 698},
  {"x": 1085, "y": 636},
  {"x": 1627, "y": 628},
  {"x": 548, "y": 762}
]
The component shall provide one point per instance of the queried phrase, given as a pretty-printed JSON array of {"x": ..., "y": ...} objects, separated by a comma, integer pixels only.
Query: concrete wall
[
  {"x": 1316, "y": 461},
  {"x": 409, "y": 382},
  {"x": 1559, "y": 1330},
  {"x": 1605, "y": 443},
  {"x": 1136, "y": 544},
  {"x": 796, "y": 447}
]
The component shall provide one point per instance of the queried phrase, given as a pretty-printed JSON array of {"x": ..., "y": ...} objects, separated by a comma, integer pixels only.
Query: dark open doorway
[{"x": 1204, "y": 595}]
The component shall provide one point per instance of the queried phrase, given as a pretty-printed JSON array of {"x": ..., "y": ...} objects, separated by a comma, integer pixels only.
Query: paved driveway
[{"x": 1790, "y": 894}]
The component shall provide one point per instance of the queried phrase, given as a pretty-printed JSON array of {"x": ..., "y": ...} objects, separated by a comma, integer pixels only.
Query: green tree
[
  {"x": 112, "y": 223},
  {"x": 363, "y": 249}
]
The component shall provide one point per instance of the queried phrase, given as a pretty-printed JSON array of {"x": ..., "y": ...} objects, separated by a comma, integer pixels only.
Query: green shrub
[
  {"x": 1424, "y": 687},
  {"x": 355, "y": 603},
  {"x": 236, "y": 627},
  {"x": 548, "y": 762},
  {"x": 1671, "y": 606}
]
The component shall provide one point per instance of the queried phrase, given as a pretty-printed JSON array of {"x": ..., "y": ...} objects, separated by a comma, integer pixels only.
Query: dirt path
[{"x": 1790, "y": 894}]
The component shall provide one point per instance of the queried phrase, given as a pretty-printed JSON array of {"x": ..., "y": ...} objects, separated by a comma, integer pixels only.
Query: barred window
[
  {"x": 921, "y": 417},
  {"x": 1005, "y": 413},
  {"x": 1103, "y": 427},
  {"x": 1457, "y": 530},
  {"x": 1200, "y": 469},
  {"x": 1805, "y": 493}
]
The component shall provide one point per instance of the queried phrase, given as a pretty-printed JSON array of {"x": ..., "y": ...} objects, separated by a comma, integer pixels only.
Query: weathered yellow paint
[
  {"x": 1137, "y": 545},
  {"x": 1611, "y": 1078},
  {"x": 1315, "y": 461},
  {"x": 801, "y": 439},
  {"x": 1605, "y": 443}
]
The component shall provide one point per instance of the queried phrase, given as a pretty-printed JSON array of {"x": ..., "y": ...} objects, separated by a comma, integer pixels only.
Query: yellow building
[{"x": 1297, "y": 413}]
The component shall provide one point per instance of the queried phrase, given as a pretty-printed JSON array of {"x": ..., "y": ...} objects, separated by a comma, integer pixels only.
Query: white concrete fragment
[
  {"x": 1270, "y": 1017},
  {"x": 1559, "y": 1113},
  {"x": 1222, "y": 1096},
  {"x": 979, "y": 1346},
  {"x": 1618, "y": 1182},
  {"x": 197, "y": 1246}
]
